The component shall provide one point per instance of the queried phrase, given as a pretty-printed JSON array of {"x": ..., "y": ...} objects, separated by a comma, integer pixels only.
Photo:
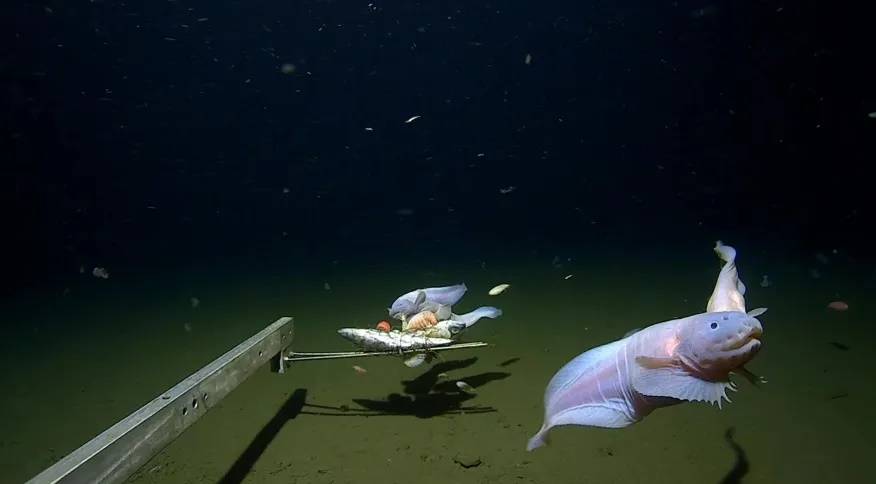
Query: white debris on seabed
[
  {"x": 466, "y": 387},
  {"x": 326, "y": 286},
  {"x": 765, "y": 282},
  {"x": 100, "y": 273},
  {"x": 499, "y": 289},
  {"x": 195, "y": 302}
]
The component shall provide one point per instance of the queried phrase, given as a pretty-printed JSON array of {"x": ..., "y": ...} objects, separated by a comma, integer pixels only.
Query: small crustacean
[{"x": 422, "y": 320}]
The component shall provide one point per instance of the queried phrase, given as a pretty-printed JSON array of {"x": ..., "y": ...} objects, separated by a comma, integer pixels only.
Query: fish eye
[{"x": 714, "y": 325}]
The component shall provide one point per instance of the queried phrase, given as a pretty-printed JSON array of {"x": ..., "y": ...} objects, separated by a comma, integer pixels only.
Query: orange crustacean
[
  {"x": 422, "y": 320},
  {"x": 384, "y": 326}
]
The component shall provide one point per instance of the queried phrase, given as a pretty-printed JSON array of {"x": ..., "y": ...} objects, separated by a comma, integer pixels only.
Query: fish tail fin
[
  {"x": 540, "y": 439},
  {"x": 725, "y": 252},
  {"x": 472, "y": 317}
]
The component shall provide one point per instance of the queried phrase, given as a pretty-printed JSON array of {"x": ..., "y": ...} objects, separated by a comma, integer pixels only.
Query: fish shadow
[
  {"x": 424, "y": 383},
  {"x": 426, "y": 396},
  {"x": 741, "y": 466}
]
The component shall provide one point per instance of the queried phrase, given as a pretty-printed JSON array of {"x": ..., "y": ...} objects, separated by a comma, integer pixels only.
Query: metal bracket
[{"x": 119, "y": 451}]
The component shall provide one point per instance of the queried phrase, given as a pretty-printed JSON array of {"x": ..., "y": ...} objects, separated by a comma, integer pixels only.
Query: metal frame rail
[{"x": 119, "y": 451}]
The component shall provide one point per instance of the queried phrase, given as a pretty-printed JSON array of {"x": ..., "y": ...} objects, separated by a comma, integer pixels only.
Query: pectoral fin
[{"x": 664, "y": 377}]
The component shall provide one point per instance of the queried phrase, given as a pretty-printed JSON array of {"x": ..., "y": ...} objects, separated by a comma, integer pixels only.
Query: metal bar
[
  {"x": 294, "y": 356},
  {"x": 118, "y": 452}
]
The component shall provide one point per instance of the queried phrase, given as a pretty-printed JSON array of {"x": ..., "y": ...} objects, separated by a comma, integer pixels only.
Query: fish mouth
[
  {"x": 745, "y": 348},
  {"x": 753, "y": 336}
]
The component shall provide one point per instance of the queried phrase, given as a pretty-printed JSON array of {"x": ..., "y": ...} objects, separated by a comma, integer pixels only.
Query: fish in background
[
  {"x": 438, "y": 301},
  {"x": 688, "y": 359},
  {"x": 427, "y": 322},
  {"x": 729, "y": 292}
]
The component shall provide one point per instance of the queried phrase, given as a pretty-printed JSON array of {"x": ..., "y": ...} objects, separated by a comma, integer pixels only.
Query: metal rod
[
  {"x": 295, "y": 356},
  {"x": 112, "y": 456}
]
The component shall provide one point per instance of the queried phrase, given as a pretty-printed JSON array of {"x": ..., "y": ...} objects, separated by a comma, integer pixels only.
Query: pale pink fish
[
  {"x": 618, "y": 384},
  {"x": 838, "y": 306},
  {"x": 729, "y": 293}
]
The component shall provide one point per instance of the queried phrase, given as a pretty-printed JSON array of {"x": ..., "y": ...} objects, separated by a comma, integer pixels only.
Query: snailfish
[{"x": 620, "y": 383}]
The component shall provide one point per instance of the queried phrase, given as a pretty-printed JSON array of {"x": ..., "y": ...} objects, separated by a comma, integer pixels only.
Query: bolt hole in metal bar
[{"x": 118, "y": 452}]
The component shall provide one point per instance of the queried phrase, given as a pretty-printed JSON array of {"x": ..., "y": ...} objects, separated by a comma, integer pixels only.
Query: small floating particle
[
  {"x": 412, "y": 119},
  {"x": 203, "y": 19},
  {"x": 358, "y": 369},
  {"x": 528, "y": 59},
  {"x": 839, "y": 346},
  {"x": 838, "y": 306},
  {"x": 872, "y": 115},
  {"x": 100, "y": 273},
  {"x": 568, "y": 277},
  {"x": 369, "y": 129},
  {"x": 765, "y": 282},
  {"x": 195, "y": 302},
  {"x": 499, "y": 289},
  {"x": 507, "y": 190},
  {"x": 326, "y": 286},
  {"x": 187, "y": 327},
  {"x": 287, "y": 68},
  {"x": 465, "y": 387},
  {"x": 170, "y": 39}
]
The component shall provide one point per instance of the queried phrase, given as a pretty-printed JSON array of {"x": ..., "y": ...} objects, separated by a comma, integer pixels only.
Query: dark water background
[{"x": 248, "y": 153}]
